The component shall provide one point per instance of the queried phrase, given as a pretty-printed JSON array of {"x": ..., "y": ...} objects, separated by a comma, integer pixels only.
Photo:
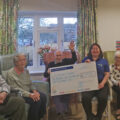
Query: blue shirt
[{"x": 102, "y": 67}]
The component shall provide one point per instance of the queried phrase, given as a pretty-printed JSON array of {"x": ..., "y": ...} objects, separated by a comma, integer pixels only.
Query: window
[
  {"x": 48, "y": 22},
  {"x": 36, "y": 29},
  {"x": 70, "y": 27},
  {"x": 25, "y": 37},
  {"x": 48, "y": 38}
]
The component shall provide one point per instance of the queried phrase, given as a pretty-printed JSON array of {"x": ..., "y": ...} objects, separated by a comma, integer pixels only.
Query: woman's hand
[
  {"x": 101, "y": 85},
  {"x": 35, "y": 96},
  {"x": 36, "y": 93},
  {"x": 88, "y": 61}
]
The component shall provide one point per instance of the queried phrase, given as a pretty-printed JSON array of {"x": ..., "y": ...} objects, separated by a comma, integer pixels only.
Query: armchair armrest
[{"x": 110, "y": 88}]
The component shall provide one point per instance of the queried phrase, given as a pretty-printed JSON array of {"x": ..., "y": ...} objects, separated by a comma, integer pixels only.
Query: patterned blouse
[{"x": 114, "y": 75}]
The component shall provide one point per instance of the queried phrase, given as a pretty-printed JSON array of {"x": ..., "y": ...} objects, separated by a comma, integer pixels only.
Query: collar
[
  {"x": 58, "y": 62},
  {"x": 117, "y": 67},
  {"x": 17, "y": 71},
  {"x": 92, "y": 58}
]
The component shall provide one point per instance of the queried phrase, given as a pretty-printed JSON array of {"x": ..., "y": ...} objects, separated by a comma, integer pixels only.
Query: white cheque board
[{"x": 73, "y": 78}]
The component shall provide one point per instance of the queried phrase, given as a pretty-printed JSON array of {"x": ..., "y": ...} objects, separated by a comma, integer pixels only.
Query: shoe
[
  {"x": 98, "y": 117},
  {"x": 60, "y": 117},
  {"x": 118, "y": 111},
  {"x": 66, "y": 114},
  {"x": 117, "y": 116},
  {"x": 92, "y": 117}
]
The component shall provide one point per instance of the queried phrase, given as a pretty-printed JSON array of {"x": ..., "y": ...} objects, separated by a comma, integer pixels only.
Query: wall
[
  {"x": 58, "y": 5},
  {"x": 108, "y": 16}
]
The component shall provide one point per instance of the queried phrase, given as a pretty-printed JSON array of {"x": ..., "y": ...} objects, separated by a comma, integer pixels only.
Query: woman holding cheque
[{"x": 95, "y": 54}]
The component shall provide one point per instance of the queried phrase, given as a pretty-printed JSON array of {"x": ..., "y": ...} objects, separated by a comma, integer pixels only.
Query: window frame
[{"x": 36, "y": 15}]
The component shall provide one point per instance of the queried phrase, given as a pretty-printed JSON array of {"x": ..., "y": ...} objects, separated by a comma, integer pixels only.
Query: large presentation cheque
[{"x": 73, "y": 78}]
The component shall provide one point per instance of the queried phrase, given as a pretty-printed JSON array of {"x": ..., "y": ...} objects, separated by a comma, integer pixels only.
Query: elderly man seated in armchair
[
  {"x": 18, "y": 78},
  {"x": 61, "y": 102},
  {"x": 11, "y": 106}
]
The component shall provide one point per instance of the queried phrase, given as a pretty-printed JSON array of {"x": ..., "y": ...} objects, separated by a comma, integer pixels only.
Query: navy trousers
[{"x": 37, "y": 109}]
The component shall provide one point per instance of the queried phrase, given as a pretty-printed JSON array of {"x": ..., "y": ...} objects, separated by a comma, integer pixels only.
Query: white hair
[
  {"x": 117, "y": 53},
  {"x": 16, "y": 57}
]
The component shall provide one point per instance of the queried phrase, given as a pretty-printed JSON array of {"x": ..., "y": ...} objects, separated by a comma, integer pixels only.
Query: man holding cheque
[{"x": 61, "y": 101}]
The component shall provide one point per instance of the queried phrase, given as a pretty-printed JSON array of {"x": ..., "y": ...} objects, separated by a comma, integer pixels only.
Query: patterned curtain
[
  {"x": 86, "y": 30},
  {"x": 8, "y": 26}
]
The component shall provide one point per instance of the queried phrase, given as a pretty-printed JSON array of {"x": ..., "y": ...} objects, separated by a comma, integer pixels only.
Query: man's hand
[
  {"x": 48, "y": 71},
  {"x": 2, "y": 97},
  {"x": 35, "y": 96},
  {"x": 71, "y": 46}
]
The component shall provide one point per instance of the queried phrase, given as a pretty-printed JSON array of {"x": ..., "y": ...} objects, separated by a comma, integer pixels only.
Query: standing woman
[{"x": 95, "y": 54}]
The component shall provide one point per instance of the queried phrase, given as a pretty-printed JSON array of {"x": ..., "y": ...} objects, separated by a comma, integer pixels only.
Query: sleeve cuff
[
  {"x": 5, "y": 90},
  {"x": 26, "y": 94}
]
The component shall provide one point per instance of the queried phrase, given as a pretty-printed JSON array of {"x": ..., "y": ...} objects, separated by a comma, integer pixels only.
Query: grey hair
[
  {"x": 117, "y": 53},
  {"x": 16, "y": 57}
]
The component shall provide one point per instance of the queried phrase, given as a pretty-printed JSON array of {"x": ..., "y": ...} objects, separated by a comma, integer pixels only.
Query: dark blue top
[
  {"x": 102, "y": 67},
  {"x": 66, "y": 61}
]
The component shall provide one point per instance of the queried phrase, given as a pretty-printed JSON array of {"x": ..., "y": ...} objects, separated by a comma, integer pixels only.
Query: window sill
[{"x": 36, "y": 70}]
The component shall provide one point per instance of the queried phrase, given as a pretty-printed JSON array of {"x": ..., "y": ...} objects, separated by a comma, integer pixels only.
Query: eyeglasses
[
  {"x": 58, "y": 55},
  {"x": 21, "y": 60}
]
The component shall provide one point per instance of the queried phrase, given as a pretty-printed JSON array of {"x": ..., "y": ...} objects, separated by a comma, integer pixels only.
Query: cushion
[
  {"x": 4, "y": 74},
  {"x": 109, "y": 55},
  {"x": 6, "y": 62}
]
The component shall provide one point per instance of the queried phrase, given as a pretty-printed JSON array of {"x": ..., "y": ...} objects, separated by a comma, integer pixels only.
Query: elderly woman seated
[
  {"x": 19, "y": 78},
  {"x": 115, "y": 78}
]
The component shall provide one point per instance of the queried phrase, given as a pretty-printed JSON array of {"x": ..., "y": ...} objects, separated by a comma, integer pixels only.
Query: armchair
[
  {"x": 6, "y": 62},
  {"x": 109, "y": 55}
]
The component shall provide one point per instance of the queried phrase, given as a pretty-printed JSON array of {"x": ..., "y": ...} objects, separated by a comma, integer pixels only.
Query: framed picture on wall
[{"x": 118, "y": 45}]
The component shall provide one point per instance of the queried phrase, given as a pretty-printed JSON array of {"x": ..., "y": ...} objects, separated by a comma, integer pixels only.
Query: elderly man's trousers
[{"x": 13, "y": 108}]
